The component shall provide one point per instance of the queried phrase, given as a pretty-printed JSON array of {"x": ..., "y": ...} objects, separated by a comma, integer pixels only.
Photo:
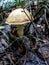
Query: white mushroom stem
[{"x": 20, "y": 29}]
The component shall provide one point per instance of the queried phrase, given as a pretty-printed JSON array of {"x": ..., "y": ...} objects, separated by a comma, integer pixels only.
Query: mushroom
[{"x": 18, "y": 17}]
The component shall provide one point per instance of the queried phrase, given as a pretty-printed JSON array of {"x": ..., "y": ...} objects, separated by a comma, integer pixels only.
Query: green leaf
[{"x": 2, "y": 27}]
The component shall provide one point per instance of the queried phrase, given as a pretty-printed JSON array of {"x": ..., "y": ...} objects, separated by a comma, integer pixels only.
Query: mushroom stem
[{"x": 20, "y": 31}]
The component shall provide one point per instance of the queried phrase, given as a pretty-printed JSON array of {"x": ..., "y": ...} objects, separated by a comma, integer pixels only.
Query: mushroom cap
[{"x": 18, "y": 17}]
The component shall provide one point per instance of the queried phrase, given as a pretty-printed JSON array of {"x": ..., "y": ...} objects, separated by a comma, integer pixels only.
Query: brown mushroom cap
[{"x": 17, "y": 17}]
